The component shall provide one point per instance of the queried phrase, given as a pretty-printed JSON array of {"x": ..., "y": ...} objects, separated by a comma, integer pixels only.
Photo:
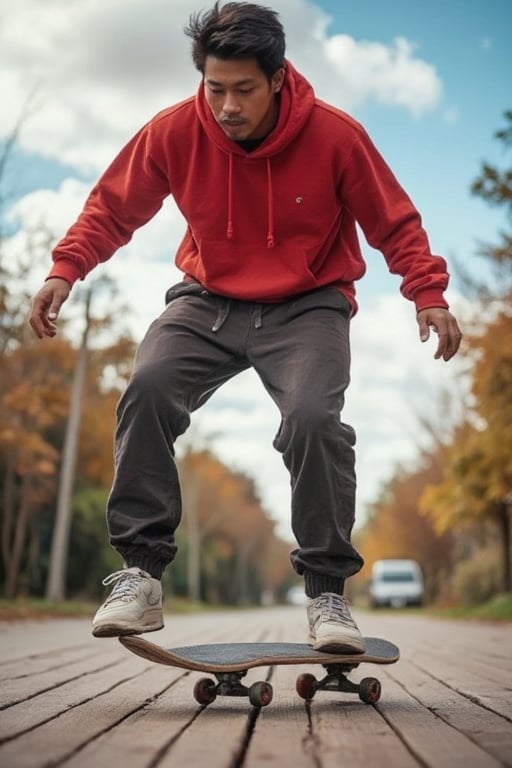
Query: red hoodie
[{"x": 266, "y": 225}]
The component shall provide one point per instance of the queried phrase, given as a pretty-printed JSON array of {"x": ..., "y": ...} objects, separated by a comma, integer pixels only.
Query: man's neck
[{"x": 249, "y": 145}]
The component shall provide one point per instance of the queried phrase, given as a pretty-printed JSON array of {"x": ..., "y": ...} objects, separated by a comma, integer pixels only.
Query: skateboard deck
[{"x": 229, "y": 662}]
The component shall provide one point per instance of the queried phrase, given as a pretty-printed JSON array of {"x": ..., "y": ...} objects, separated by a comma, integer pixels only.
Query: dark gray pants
[{"x": 300, "y": 351}]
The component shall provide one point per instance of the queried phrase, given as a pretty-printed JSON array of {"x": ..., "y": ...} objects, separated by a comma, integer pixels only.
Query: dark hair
[{"x": 238, "y": 31}]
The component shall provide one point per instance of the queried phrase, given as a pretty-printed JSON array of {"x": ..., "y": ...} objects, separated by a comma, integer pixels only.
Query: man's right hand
[{"x": 46, "y": 305}]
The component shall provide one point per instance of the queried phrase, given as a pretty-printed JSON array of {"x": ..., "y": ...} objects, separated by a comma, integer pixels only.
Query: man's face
[{"x": 241, "y": 99}]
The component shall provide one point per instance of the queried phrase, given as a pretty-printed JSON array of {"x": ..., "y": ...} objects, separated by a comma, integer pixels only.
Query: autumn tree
[
  {"x": 476, "y": 487},
  {"x": 477, "y": 462},
  {"x": 396, "y": 529},
  {"x": 206, "y": 495},
  {"x": 36, "y": 379},
  {"x": 494, "y": 186},
  {"x": 248, "y": 530},
  {"x": 226, "y": 535},
  {"x": 32, "y": 387},
  {"x": 33, "y": 401}
]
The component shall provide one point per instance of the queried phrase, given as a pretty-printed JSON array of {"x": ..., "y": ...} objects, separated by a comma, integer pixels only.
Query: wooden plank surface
[{"x": 68, "y": 699}]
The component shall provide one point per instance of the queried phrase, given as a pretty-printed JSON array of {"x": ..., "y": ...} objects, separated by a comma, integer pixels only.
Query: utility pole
[{"x": 56, "y": 584}]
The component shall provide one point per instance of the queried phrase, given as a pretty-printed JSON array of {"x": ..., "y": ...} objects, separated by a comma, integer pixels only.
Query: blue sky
[
  {"x": 430, "y": 82},
  {"x": 437, "y": 155}
]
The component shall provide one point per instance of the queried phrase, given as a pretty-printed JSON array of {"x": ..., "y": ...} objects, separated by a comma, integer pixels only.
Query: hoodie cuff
[
  {"x": 66, "y": 270},
  {"x": 429, "y": 300}
]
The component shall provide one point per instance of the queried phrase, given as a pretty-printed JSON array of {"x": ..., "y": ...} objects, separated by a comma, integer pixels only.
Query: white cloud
[
  {"x": 56, "y": 209},
  {"x": 100, "y": 70},
  {"x": 388, "y": 74},
  {"x": 154, "y": 246}
]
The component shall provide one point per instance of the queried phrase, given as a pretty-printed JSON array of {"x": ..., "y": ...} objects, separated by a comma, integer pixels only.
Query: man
[{"x": 271, "y": 182}]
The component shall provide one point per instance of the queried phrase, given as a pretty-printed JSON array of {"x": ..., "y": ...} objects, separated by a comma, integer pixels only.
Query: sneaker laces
[
  {"x": 126, "y": 583},
  {"x": 332, "y": 607}
]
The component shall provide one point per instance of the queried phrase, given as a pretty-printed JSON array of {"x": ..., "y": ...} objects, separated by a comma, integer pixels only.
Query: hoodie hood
[{"x": 297, "y": 99}]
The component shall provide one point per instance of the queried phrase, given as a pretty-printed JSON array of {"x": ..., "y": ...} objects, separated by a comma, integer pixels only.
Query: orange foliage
[
  {"x": 396, "y": 529},
  {"x": 231, "y": 520},
  {"x": 477, "y": 463},
  {"x": 34, "y": 400}
]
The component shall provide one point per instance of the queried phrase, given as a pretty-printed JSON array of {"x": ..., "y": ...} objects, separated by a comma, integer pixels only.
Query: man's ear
[{"x": 278, "y": 80}]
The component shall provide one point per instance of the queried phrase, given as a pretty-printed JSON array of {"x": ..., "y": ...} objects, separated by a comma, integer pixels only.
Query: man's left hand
[{"x": 446, "y": 327}]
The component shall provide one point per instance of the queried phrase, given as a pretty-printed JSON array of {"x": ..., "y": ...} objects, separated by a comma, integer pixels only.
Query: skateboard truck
[
  {"x": 368, "y": 690},
  {"x": 229, "y": 684},
  {"x": 260, "y": 694}
]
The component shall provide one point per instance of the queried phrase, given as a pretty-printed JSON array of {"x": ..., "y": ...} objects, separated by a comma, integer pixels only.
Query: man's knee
[
  {"x": 149, "y": 393},
  {"x": 310, "y": 422},
  {"x": 145, "y": 384}
]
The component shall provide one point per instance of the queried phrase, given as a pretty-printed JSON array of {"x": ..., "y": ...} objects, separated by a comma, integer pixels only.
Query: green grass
[
  {"x": 38, "y": 608},
  {"x": 497, "y": 609}
]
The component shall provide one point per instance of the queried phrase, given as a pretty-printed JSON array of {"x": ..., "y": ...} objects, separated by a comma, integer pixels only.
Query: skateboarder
[{"x": 271, "y": 182}]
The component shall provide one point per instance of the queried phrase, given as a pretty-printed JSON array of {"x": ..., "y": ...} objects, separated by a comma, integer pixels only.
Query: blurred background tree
[{"x": 452, "y": 510}]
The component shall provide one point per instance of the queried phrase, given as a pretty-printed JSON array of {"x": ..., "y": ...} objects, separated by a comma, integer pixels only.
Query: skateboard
[{"x": 229, "y": 663}]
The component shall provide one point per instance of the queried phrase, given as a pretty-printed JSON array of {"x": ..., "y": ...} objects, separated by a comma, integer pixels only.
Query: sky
[{"x": 429, "y": 81}]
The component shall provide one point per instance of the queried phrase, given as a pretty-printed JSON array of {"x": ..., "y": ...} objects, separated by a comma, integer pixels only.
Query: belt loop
[{"x": 258, "y": 322}]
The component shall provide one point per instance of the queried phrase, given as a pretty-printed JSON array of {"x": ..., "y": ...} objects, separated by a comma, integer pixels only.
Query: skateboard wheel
[
  {"x": 306, "y": 686},
  {"x": 204, "y": 691},
  {"x": 260, "y": 694},
  {"x": 369, "y": 690}
]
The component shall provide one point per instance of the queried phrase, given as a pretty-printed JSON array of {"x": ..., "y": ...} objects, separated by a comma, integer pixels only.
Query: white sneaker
[
  {"x": 134, "y": 606},
  {"x": 331, "y": 627}
]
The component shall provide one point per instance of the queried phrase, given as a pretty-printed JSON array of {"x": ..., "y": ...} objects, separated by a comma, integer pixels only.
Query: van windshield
[{"x": 397, "y": 576}]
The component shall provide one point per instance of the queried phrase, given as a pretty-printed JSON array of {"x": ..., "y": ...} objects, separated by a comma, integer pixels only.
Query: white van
[{"x": 396, "y": 583}]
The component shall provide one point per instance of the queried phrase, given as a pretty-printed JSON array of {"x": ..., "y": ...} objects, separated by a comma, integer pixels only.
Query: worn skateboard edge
[{"x": 291, "y": 654}]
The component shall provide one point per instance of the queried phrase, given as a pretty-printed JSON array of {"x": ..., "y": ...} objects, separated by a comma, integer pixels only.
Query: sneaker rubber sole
[
  {"x": 334, "y": 644},
  {"x": 118, "y": 629}
]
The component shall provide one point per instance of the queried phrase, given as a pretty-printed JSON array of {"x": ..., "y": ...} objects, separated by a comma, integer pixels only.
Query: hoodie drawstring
[
  {"x": 270, "y": 207},
  {"x": 230, "y": 230}
]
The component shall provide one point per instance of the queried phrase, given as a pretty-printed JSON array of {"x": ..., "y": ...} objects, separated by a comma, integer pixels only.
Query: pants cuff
[{"x": 318, "y": 583}]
